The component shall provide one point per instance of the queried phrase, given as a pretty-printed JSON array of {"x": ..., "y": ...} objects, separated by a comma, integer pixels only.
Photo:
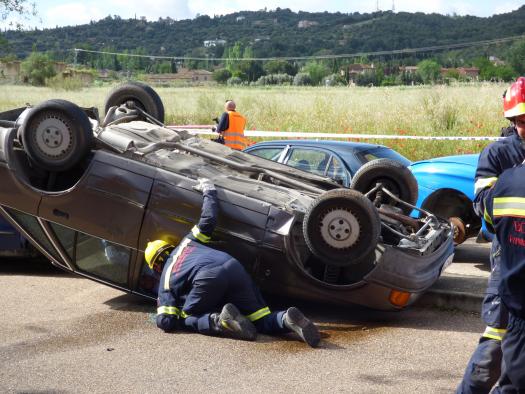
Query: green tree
[
  {"x": 279, "y": 67},
  {"x": 37, "y": 68},
  {"x": 316, "y": 71},
  {"x": 428, "y": 70},
  {"x": 516, "y": 56},
  {"x": 222, "y": 75}
]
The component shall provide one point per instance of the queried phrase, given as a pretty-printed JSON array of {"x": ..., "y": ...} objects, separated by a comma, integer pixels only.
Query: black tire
[
  {"x": 56, "y": 135},
  {"x": 341, "y": 227},
  {"x": 141, "y": 94},
  {"x": 396, "y": 177}
]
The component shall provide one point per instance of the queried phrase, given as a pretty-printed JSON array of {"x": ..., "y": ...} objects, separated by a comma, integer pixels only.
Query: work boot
[
  {"x": 231, "y": 323},
  {"x": 295, "y": 321}
]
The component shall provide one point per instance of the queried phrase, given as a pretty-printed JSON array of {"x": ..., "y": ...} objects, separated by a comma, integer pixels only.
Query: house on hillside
[
  {"x": 496, "y": 61},
  {"x": 305, "y": 24},
  {"x": 469, "y": 72},
  {"x": 214, "y": 43},
  {"x": 183, "y": 75},
  {"x": 408, "y": 69}
]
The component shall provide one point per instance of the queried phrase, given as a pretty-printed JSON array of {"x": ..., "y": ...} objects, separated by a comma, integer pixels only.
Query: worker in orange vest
[{"x": 231, "y": 127}]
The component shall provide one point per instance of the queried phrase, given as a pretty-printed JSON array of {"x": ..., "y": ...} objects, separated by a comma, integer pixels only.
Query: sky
[{"x": 52, "y": 13}]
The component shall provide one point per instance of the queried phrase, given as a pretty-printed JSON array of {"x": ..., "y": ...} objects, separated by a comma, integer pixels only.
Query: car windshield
[{"x": 381, "y": 153}]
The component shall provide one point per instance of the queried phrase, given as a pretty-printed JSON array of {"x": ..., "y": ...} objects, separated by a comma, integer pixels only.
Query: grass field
[{"x": 465, "y": 110}]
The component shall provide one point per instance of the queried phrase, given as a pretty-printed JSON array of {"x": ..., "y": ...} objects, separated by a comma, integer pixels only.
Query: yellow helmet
[{"x": 157, "y": 252}]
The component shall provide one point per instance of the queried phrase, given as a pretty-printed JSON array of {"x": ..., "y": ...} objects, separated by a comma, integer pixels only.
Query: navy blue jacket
[
  {"x": 184, "y": 263},
  {"x": 493, "y": 160},
  {"x": 505, "y": 208}
]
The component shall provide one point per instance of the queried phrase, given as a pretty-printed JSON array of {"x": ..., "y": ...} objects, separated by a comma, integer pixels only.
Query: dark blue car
[
  {"x": 445, "y": 184},
  {"x": 12, "y": 244},
  {"x": 338, "y": 160}
]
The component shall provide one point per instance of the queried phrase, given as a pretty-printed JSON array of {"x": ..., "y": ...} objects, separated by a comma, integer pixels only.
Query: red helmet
[{"x": 514, "y": 99}]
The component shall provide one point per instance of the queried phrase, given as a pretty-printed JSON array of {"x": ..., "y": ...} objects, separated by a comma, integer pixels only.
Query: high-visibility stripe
[
  {"x": 487, "y": 217},
  {"x": 173, "y": 261},
  {"x": 482, "y": 183},
  {"x": 494, "y": 333},
  {"x": 200, "y": 236},
  {"x": 171, "y": 310},
  {"x": 168, "y": 310},
  {"x": 509, "y": 206},
  {"x": 259, "y": 314}
]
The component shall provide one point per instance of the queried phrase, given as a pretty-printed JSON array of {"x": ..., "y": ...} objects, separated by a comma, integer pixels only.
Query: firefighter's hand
[
  {"x": 216, "y": 120},
  {"x": 204, "y": 185}
]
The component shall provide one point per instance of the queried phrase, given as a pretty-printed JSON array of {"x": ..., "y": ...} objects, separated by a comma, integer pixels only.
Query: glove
[{"x": 204, "y": 185}]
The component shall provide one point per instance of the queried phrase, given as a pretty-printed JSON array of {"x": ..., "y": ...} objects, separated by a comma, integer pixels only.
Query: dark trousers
[
  {"x": 217, "y": 285},
  {"x": 513, "y": 370},
  {"x": 484, "y": 366}
]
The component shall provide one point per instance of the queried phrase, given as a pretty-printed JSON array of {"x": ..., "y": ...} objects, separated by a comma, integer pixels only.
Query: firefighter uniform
[
  {"x": 505, "y": 210},
  {"x": 197, "y": 280},
  {"x": 231, "y": 126},
  {"x": 483, "y": 368}
]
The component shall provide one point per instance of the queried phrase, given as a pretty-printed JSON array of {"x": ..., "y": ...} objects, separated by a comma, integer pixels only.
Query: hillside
[{"x": 274, "y": 33}]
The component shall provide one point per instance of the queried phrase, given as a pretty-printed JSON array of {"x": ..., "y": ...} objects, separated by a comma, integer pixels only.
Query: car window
[
  {"x": 310, "y": 160},
  {"x": 66, "y": 236},
  {"x": 30, "y": 224},
  {"x": 337, "y": 171},
  {"x": 267, "y": 153},
  {"x": 102, "y": 259},
  {"x": 382, "y": 153}
]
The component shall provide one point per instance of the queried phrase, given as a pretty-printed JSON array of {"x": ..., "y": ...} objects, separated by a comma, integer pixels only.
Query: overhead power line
[{"x": 320, "y": 57}]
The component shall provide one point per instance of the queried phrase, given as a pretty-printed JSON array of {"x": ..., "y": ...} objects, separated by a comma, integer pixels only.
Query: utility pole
[
  {"x": 377, "y": 5},
  {"x": 393, "y": 6}
]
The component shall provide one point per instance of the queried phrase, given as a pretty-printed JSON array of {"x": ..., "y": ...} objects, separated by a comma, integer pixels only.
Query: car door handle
[{"x": 60, "y": 213}]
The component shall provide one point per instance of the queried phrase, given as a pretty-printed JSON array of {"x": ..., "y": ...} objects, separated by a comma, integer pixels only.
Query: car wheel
[
  {"x": 394, "y": 176},
  {"x": 56, "y": 135},
  {"x": 341, "y": 227},
  {"x": 141, "y": 94}
]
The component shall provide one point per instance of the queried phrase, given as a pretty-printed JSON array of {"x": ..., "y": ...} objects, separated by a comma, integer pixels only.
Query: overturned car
[{"x": 90, "y": 193}]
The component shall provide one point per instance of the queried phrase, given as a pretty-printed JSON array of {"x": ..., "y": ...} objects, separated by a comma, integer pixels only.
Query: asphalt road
[{"x": 64, "y": 334}]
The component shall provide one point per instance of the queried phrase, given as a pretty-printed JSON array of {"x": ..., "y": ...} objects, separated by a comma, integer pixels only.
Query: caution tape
[{"x": 200, "y": 129}]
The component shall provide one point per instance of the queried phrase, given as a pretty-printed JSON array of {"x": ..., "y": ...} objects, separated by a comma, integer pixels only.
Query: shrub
[
  {"x": 335, "y": 80},
  {"x": 222, "y": 75},
  {"x": 302, "y": 79},
  {"x": 234, "y": 81},
  {"x": 37, "y": 68},
  {"x": 58, "y": 82},
  {"x": 275, "y": 79}
]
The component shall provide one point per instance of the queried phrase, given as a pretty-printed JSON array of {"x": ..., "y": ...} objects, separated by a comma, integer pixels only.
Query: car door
[{"x": 97, "y": 222}]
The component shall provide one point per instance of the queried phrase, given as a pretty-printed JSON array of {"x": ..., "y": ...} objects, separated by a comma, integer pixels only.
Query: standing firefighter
[
  {"x": 484, "y": 366},
  {"x": 198, "y": 280},
  {"x": 505, "y": 210},
  {"x": 231, "y": 127}
]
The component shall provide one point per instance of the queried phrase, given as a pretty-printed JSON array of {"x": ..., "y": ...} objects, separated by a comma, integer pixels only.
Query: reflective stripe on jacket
[{"x": 234, "y": 134}]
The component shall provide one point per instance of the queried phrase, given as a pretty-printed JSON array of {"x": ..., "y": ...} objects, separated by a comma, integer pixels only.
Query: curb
[{"x": 464, "y": 293}]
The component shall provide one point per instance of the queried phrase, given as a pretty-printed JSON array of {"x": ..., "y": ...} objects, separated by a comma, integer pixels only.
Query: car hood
[
  {"x": 465, "y": 160},
  {"x": 455, "y": 172}
]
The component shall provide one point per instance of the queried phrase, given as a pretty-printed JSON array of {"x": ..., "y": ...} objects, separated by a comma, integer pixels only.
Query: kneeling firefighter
[{"x": 197, "y": 281}]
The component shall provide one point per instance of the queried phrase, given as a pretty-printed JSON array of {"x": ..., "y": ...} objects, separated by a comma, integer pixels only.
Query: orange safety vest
[{"x": 234, "y": 134}]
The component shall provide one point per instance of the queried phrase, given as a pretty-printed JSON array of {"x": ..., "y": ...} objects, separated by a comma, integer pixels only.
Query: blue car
[
  {"x": 445, "y": 184},
  {"x": 338, "y": 160},
  {"x": 13, "y": 244},
  {"x": 446, "y": 188}
]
